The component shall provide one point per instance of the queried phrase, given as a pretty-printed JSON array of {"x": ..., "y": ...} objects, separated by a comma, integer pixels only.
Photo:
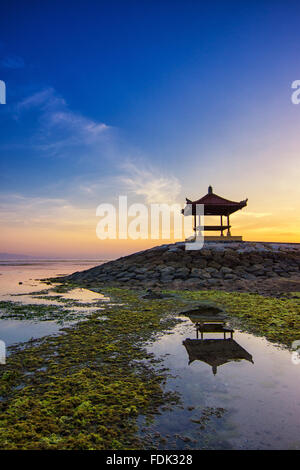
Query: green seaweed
[
  {"x": 85, "y": 388},
  {"x": 276, "y": 319},
  {"x": 40, "y": 312}
]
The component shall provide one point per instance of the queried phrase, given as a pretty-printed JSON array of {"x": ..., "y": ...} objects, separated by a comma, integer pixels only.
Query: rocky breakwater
[{"x": 232, "y": 266}]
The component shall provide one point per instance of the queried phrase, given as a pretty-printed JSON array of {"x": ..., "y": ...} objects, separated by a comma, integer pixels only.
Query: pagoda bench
[
  {"x": 212, "y": 327},
  {"x": 214, "y": 228}
]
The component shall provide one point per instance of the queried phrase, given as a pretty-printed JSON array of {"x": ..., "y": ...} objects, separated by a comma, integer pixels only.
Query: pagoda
[
  {"x": 215, "y": 352},
  {"x": 215, "y": 205}
]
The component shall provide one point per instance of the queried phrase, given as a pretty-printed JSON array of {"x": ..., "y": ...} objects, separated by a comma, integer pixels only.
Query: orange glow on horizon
[
  {"x": 70, "y": 232},
  {"x": 83, "y": 242}
]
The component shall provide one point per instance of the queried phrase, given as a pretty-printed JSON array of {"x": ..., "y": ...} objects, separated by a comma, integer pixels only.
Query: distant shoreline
[
  {"x": 56, "y": 259},
  {"x": 36, "y": 262},
  {"x": 4, "y": 257}
]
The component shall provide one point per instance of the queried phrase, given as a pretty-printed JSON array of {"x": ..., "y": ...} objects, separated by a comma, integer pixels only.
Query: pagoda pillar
[{"x": 228, "y": 223}]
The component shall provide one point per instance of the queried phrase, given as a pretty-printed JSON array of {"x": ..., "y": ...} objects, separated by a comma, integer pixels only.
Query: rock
[
  {"x": 258, "y": 267},
  {"x": 167, "y": 270},
  {"x": 174, "y": 250},
  {"x": 166, "y": 278},
  {"x": 150, "y": 283},
  {"x": 211, "y": 270},
  {"x": 230, "y": 266},
  {"x": 192, "y": 282},
  {"x": 181, "y": 273},
  {"x": 230, "y": 276},
  {"x": 217, "y": 275},
  {"x": 214, "y": 265},
  {"x": 196, "y": 272},
  {"x": 250, "y": 269},
  {"x": 200, "y": 263},
  {"x": 239, "y": 271},
  {"x": 271, "y": 274},
  {"x": 225, "y": 270},
  {"x": 151, "y": 294},
  {"x": 177, "y": 284},
  {"x": 205, "y": 275},
  {"x": 124, "y": 279},
  {"x": 249, "y": 276},
  {"x": 168, "y": 255},
  {"x": 212, "y": 282},
  {"x": 206, "y": 253},
  {"x": 141, "y": 270}
]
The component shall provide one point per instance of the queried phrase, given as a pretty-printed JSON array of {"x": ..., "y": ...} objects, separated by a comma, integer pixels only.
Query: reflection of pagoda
[{"x": 214, "y": 352}]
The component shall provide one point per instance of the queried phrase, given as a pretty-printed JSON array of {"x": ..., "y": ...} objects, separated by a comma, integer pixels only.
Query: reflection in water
[
  {"x": 83, "y": 295},
  {"x": 214, "y": 352},
  {"x": 18, "y": 331},
  {"x": 261, "y": 401},
  {"x": 21, "y": 282}
]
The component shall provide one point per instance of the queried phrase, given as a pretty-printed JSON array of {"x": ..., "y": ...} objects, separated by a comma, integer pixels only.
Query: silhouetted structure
[
  {"x": 215, "y": 352},
  {"x": 216, "y": 206},
  {"x": 212, "y": 327}
]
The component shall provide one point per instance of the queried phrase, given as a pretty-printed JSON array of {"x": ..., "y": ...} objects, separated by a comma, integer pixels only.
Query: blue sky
[{"x": 104, "y": 97}]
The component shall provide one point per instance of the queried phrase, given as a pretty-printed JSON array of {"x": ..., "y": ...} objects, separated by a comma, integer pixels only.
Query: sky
[{"x": 151, "y": 99}]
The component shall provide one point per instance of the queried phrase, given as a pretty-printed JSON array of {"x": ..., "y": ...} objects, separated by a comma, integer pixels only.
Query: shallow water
[
  {"x": 259, "y": 403},
  {"x": 244, "y": 405},
  {"x": 19, "y": 331},
  {"x": 18, "y": 279}
]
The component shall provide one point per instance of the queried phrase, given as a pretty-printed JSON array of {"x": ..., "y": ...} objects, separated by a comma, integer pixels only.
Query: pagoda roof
[
  {"x": 215, "y": 205},
  {"x": 215, "y": 352}
]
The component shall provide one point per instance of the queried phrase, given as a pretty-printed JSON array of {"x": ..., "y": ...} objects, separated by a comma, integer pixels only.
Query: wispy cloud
[
  {"x": 12, "y": 62},
  {"x": 76, "y": 123},
  {"x": 58, "y": 131},
  {"x": 57, "y": 128},
  {"x": 149, "y": 183},
  {"x": 46, "y": 99},
  {"x": 40, "y": 212}
]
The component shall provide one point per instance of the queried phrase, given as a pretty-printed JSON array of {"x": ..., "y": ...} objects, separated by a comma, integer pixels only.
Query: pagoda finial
[{"x": 210, "y": 190}]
